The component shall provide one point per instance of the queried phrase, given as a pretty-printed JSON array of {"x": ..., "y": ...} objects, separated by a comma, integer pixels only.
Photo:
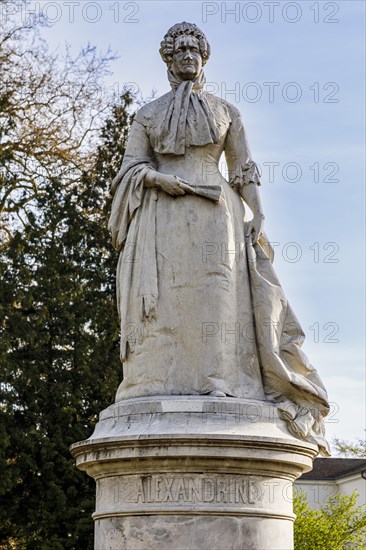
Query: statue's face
[{"x": 187, "y": 61}]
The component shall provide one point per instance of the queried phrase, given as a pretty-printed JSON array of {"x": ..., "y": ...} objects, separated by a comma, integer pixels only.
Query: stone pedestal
[{"x": 193, "y": 473}]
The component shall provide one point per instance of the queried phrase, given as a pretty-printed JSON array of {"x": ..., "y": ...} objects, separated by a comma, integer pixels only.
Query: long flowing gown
[{"x": 201, "y": 309}]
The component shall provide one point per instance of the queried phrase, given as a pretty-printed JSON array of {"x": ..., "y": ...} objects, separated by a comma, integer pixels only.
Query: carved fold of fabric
[
  {"x": 187, "y": 104},
  {"x": 128, "y": 189},
  {"x": 251, "y": 173},
  {"x": 132, "y": 224},
  {"x": 146, "y": 257},
  {"x": 245, "y": 174},
  {"x": 288, "y": 377}
]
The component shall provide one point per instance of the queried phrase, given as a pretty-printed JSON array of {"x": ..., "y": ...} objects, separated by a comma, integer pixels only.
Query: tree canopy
[
  {"x": 60, "y": 147},
  {"x": 350, "y": 449},
  {"x": 338, "y": 524},
  {"x": 52, "y": 109}
]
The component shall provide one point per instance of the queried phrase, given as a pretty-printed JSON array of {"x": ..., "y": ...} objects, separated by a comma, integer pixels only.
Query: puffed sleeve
[{"x": 241, "y": 167}]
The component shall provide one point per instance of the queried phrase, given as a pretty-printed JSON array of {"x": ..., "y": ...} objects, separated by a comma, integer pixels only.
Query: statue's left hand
[{"x": 254, "y": 227}]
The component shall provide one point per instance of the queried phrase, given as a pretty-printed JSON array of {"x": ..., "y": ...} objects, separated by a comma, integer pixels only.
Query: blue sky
[{"x": 296, "y": 72}]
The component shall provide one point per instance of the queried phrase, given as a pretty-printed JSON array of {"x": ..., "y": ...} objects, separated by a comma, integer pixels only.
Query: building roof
[{"x": 335, "y": 468}]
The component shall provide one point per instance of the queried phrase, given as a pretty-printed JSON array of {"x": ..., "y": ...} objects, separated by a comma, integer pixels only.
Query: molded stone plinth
[{"x": 193, "y": 473}]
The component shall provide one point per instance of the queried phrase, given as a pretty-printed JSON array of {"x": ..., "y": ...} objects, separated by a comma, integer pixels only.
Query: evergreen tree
[{"x": 59, "y": 351}]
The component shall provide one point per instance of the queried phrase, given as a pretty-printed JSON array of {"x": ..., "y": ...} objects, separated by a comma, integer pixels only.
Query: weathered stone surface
[
  {"x": 194, "y": 533},
  {"x": 219, "y": 410},
  {"x": 201, "y": 308},
  {"x": 193, "y": 473}
]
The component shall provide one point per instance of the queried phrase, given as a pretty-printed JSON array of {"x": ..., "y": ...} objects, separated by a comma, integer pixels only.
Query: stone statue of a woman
[{"x": 201, "y": 309}]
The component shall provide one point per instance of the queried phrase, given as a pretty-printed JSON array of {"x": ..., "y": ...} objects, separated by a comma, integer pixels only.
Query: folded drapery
[
  {"x": 288, "y": 377},
  {"x": 189, "y": 119}
]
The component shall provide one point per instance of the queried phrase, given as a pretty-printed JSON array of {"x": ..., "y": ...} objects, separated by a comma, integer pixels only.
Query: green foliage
[
  {"x": 59, "y": 351},
  {"x": 338, "y": 525}
]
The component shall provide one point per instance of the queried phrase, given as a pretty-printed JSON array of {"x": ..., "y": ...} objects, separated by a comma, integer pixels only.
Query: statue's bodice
[{"x": 199, "y": 165}]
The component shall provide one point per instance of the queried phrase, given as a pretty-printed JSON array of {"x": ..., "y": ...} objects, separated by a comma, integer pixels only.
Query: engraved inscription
[{"x": 187, "y": 489}]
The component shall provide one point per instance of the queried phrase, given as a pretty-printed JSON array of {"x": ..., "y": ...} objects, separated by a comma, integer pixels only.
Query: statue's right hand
[{"x": 169, "y": 184}]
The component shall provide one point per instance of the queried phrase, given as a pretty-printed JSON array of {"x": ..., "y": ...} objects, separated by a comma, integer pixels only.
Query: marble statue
[{"x": 202, "y": 311}]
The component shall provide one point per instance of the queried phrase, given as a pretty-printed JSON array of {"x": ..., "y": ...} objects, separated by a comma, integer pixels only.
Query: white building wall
[
  {"x": 347, "y": 485},
  {"x": 318, "y": 491}
]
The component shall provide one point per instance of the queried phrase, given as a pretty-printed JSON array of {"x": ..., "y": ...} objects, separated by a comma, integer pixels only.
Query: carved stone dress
[{"x": 186, "y": 289}]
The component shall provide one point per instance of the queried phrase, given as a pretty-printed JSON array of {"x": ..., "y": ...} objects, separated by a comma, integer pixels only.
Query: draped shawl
[
  {"x": 288, "y": 377},
  {"x": 176, "y": 132}
]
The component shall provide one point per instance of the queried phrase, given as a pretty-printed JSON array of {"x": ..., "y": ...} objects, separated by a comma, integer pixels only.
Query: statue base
[{"x": 193, "y": 473}]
